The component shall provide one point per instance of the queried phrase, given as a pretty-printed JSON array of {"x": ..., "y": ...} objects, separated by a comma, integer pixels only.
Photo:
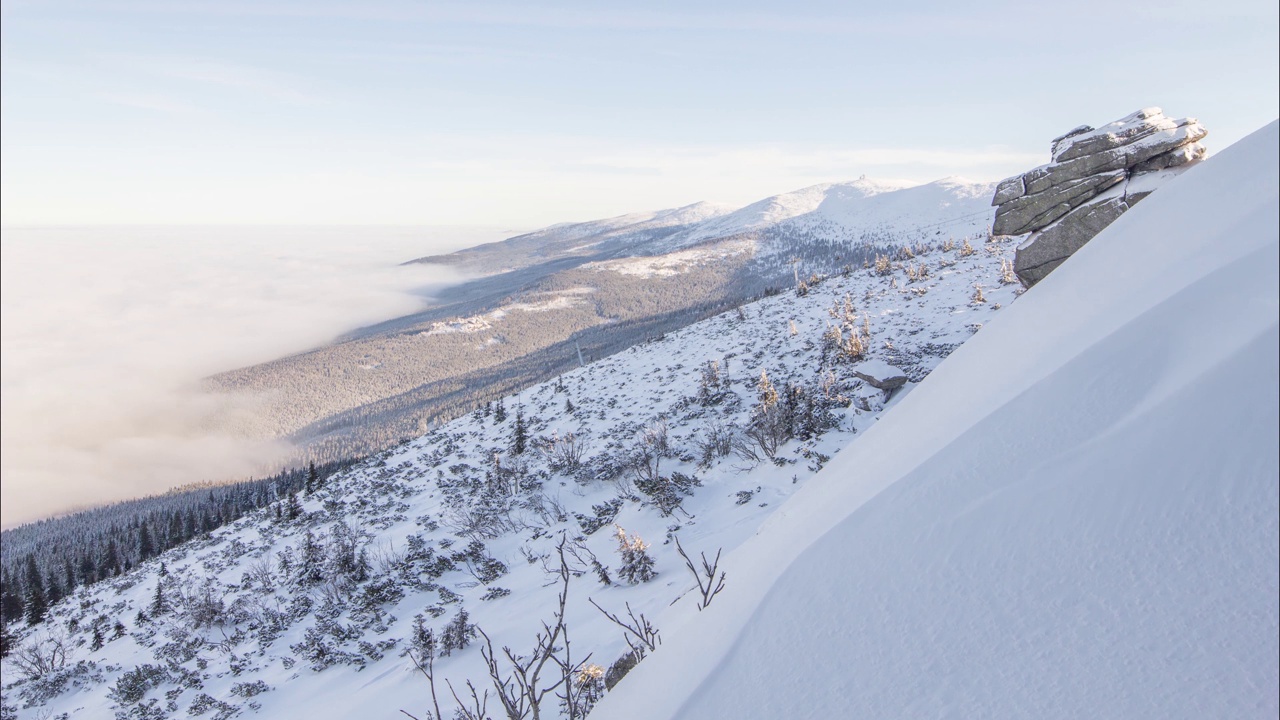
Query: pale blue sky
[{"x": 529, "y": 113}]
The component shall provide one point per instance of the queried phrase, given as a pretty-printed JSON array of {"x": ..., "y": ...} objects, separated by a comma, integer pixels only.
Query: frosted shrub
[
  {"x": 133, "y": 685},
  {"x": 716, "y": 442},
  {"x": 563, "y": 453},
  {"x": 457, "y": 634},
  {"x": 604, "y": 514},
  {"x": 667, "y": 492},
  {"x": 637, "y": 563}
]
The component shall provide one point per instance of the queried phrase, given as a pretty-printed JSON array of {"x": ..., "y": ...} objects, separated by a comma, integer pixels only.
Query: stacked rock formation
[{"x": 1096, "y": 175}]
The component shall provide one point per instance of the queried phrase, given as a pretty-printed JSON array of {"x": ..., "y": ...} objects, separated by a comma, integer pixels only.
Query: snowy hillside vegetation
[
  {"x": 592, "y": 288},
  {"x": 518, "y": 556},
  {"x": 1074, "y": 516}
]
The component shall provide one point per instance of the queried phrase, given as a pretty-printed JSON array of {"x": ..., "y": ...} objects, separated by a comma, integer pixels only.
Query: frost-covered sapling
[
  {"x": 637, "y": 563},
  {"x": 457, "y": 634}
]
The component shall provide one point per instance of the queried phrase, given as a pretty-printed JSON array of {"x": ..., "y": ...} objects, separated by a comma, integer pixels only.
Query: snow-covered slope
[
  {"x": 245, "y": 627},
  {"x": 853, "y": 209},
  {"x": 862, "y": 211},
  {"x": 1074, "y": 516},
  {"x": 609, "y": 236}
]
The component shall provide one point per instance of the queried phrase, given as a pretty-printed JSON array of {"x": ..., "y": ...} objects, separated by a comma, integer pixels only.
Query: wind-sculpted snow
[
  {"x": 308, "y": 608},
  {"x": 1075, "y": 515}
]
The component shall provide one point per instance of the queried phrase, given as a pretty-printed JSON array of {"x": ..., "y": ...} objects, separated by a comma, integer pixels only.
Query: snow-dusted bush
[
  {"x": 457, "y": 634},
  {"x": 667, "y": 492},
  {"x": 134, "y": 684},
  {"x": 249, "y": 689},
  {"x": 604, "y": 514},
  {"x": 637, "y": 563},
  {"x": 82, "y": 674}
]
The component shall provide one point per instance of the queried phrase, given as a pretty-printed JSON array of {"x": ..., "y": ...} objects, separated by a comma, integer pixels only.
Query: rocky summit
[{"x": 1095, "y": 176}]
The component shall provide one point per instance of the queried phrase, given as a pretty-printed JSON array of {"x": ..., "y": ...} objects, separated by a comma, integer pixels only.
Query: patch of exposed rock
[{"x": 1095, "y": 176}]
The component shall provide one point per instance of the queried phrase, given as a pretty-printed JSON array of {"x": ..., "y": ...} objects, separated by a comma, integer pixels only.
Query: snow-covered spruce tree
[
  {"x": 457, "y": 634},
  {"x": 637, "y": 563},
  {"x": 159, "y": 602},
  {"x": 519, "y": 434},
  {"x": 710, "y": 387},
  {"x": 311, "y": 561},
  {"x": 292, "y": 508},
  {"x": 36, "y": 604}
]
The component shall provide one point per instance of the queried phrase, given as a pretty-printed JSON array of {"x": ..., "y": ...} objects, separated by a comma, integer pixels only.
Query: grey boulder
[
  {"x": 1091, "y": 181},
  {"x": 1048, "y": 248}
]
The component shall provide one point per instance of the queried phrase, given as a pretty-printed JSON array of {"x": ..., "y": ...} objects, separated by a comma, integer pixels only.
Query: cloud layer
[{"x": 108, "y": 331}]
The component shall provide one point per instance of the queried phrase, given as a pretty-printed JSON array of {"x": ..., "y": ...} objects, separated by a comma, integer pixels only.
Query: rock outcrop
[
  {"x": 880, "y": 375},
  {"x": 1095, "y": 176}
]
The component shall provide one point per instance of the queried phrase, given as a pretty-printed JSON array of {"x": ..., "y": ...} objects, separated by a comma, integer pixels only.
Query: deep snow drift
[{"x": 1074, "y": 516}]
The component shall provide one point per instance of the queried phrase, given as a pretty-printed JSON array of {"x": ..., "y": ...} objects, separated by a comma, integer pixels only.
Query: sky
[{"x": 527, "y": 114}]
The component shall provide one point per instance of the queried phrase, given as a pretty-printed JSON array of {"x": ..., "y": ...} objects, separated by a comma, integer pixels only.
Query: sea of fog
[{"x": 107, "y": 332}]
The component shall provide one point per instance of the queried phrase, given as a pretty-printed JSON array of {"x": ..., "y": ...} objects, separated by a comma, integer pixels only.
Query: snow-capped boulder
[
  {"x": 1068, "y": 201},
  {"x": 880, "y": 375}
]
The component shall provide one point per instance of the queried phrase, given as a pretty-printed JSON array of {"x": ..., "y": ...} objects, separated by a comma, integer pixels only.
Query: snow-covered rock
[
  {"x": 880, "y": 375},
  {"x": 1072, "y": 516},
  {"x": 1063, "y": 202}
]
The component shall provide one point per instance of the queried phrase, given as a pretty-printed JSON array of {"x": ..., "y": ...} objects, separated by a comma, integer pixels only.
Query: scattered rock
[{"x": 1091, "y": 182}]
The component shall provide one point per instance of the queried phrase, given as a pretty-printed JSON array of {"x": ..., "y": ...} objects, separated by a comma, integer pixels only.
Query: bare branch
[
  {"x": 639, "y": 628},
  {"x": 712, "y": 585}
]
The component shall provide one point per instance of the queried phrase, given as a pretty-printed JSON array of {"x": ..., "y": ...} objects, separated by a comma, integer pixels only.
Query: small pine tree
[
  {"x": 457, "y": 634},
  {"x": 96, "y": 644},
  {"x": 499, "y": 413},
  {"x": 292, "y": 508},
  {"x": 637, "y": 563},
  {"x": 118, "y": 630},
  {"x": 520, "y": 434},
  {"x": 310, "y": 561},
  {"x": 768, "y": 394},
  {"x": 568, "y": 405},
  {"x": 159, "y": 603},
  {"x": 424, "y": 641}
]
